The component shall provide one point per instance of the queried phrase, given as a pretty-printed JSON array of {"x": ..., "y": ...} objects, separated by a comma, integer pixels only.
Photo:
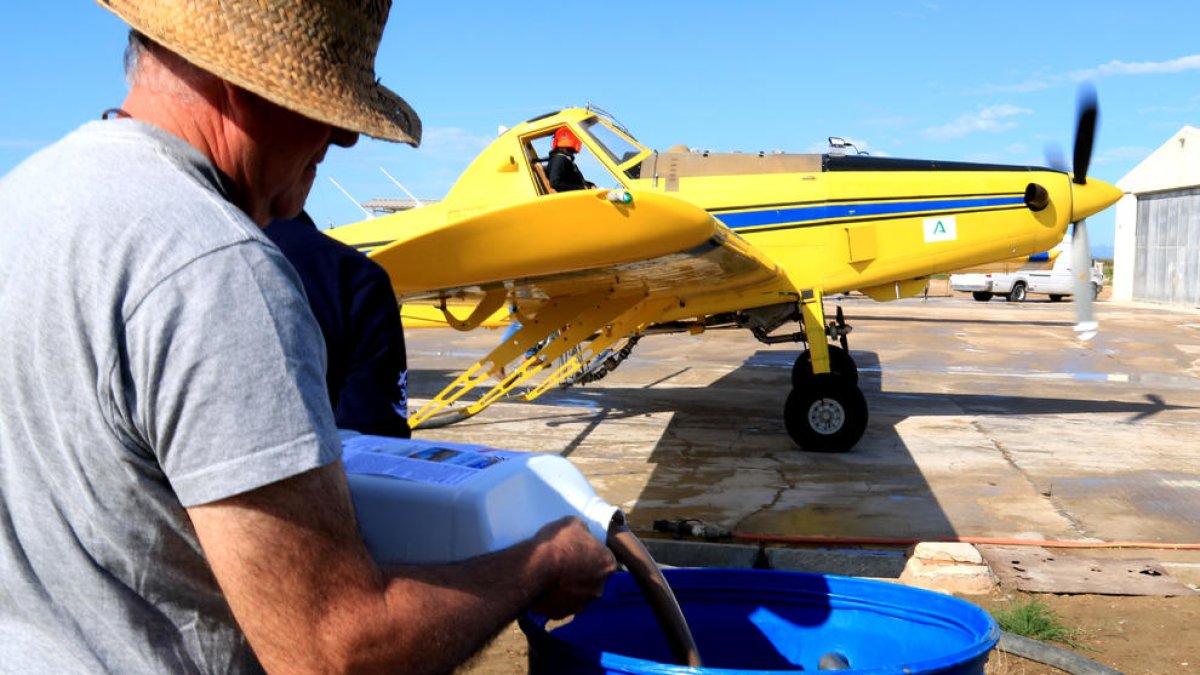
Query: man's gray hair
[
  {"x": 169, "y": 73},
  {"x": 136, "y": 47}
]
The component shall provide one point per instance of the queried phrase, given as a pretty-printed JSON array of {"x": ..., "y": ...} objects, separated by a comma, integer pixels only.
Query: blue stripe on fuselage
[{"x": 804, "y": 214}]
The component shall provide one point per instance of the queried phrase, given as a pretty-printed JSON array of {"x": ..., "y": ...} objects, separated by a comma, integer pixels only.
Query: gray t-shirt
[{"x": 156, "y": 353}]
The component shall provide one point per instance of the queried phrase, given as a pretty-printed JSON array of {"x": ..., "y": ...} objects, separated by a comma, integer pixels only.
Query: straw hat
[{"x": 312, "y": 57}]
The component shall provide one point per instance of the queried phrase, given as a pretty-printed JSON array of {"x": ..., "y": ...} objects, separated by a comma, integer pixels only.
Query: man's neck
[
  {"x": 196, "y": 121},
  {"x": 190, "y": 121}
]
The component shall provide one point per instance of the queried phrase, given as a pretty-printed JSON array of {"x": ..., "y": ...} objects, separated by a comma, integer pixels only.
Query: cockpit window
[
  {"x": 538, "y": 149},
  {"x": 618, "y": 149}
]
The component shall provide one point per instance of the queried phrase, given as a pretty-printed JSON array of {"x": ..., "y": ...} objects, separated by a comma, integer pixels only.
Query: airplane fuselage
[
  {"x": 834, "y": 222},
  {"x": 864, "y": 223}
]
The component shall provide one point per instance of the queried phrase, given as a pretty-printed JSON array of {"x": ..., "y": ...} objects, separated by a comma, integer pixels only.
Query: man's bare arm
[{"x": 308, "y": 596}]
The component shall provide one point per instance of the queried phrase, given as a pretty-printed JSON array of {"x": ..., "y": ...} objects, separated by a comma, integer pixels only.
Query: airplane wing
[{"x": 582, "y": 272}]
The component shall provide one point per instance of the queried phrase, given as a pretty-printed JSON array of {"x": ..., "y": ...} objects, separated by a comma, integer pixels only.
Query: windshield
[{"x": 618, "y": 149}]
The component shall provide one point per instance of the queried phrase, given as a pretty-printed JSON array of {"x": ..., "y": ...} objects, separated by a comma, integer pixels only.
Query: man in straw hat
[{"x": 171, "y": 496}]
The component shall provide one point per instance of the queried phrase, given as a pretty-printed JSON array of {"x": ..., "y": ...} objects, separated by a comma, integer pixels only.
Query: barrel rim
[{"x": 841, "y": 592}]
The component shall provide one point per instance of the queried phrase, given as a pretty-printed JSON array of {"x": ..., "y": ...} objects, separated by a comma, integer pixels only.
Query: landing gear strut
[
  {"x": 826, "y": 411},
  {"x": 840, "y": 363}
]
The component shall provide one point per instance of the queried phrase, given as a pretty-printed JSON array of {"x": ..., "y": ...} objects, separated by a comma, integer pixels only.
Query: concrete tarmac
[{"x": 986, "y": 420}]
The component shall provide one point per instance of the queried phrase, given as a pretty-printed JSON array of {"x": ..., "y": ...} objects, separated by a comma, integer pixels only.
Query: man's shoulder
[
  {"x": 149, "y": 201},
  {"x": 125, "y": 169},
  {"x": 307, "y": 247},
  {"x": 300, "y": 235},
  {"x": 170, "y": 186}
]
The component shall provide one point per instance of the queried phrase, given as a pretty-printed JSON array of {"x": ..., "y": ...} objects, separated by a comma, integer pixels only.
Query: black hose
[{"x": 1063, "y": 659}]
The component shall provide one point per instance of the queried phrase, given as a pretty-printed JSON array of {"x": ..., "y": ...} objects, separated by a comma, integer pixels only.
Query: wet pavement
[{"x": 986, "y": 420}]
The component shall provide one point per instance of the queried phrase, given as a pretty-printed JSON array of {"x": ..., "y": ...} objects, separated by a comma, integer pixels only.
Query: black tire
[
  {"x": 840, "y": 362},
  {"x": 1017, "y": 294},
  {"x": 1054, "y": 297},
  {"x": 827, "y": 414},
  {"x": 981, "y": 296}
]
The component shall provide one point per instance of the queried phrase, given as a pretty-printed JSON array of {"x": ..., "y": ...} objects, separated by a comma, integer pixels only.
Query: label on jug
[{"x": 419, "y": 460}]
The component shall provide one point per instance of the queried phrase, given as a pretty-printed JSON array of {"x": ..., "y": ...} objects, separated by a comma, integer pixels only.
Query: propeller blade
[
  {"x": 1086, "y": 325},
  {"x": 1055, "y": 159},
  {"x": 1085, "y": 132},
  {"x": 841, "y": 322}
]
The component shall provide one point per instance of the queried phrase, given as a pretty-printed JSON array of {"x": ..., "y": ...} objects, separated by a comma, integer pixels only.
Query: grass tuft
[{"x": 1035, "y": 620}]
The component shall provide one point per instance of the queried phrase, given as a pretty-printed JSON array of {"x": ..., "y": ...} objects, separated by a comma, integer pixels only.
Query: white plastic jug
[{"x": 423, "y": 501}]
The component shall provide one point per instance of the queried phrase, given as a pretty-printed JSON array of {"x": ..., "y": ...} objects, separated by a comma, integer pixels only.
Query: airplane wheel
[
  {"x": 1054, "y": 297},
  {"x": 981, "y": 296},
  {"x": 827, "y": 414},
  {"x": 840, "y": 362}
]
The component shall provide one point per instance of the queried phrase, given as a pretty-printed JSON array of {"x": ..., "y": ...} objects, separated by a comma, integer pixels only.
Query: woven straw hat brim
[{"x": 313, "y": 57}]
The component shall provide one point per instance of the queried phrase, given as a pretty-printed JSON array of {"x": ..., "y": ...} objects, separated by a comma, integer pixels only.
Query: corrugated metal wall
[{"x": 1167, "y": 260}]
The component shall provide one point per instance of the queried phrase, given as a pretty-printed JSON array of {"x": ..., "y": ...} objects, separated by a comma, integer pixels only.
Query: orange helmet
[{"x": 563, "y": 138}]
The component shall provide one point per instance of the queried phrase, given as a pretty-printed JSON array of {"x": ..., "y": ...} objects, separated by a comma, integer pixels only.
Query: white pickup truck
[{"x": 1057, "y": 282}]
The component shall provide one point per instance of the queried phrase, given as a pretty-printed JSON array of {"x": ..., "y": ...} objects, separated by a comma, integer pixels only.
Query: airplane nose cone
[{"x": 1091, "y": 198}]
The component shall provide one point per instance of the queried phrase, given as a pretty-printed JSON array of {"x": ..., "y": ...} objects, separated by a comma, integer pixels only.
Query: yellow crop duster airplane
[{"x": 691, "y": 241}]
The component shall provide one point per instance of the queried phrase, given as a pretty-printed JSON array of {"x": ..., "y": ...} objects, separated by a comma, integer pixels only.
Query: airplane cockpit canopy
[
  {"x": 620, "y": 150},
  {"x": 608, "y": 158}
]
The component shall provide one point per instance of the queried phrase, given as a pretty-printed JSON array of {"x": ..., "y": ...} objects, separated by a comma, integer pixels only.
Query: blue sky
[{"x": 975, "y": 81}]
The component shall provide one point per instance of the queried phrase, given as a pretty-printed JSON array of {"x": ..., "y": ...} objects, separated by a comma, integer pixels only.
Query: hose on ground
[
  {"x": 1057, "y": 657},
  {"x": 442, "y": 419}
]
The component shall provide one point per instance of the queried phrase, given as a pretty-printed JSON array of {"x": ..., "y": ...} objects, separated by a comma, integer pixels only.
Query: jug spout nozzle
[{"x": 617, "y": 522}]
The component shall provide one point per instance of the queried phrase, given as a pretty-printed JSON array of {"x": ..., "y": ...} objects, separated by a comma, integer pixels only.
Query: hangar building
[{"x": 1156, "y": 247}]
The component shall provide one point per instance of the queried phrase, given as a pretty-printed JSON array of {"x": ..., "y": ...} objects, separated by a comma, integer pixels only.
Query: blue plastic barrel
[{"x": 764, "y": 621}]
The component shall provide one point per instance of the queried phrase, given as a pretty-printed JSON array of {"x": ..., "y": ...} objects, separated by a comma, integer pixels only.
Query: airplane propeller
[
  {"x": 1086, "y": 325},
  {"x": 842, "y": 329},
  {"x": 1055, "y": 158}
]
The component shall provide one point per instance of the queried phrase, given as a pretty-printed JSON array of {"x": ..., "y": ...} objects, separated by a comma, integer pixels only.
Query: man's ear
[
  {"x": 240, "y": 102},
  {"x": 245, "y": 109}
]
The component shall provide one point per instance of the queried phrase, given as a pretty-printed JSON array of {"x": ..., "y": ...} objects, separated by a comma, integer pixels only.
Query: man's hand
[{"x": 577, "y": 566}]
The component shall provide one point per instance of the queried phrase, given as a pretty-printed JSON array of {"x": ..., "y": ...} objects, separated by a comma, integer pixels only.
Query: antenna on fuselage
[
  {"x": 343, "y": 191},
  {"x": 400, "y": 185}
]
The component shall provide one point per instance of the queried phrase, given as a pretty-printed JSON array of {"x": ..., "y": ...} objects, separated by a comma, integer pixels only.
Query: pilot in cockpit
[{"x": 562, "y": 170}]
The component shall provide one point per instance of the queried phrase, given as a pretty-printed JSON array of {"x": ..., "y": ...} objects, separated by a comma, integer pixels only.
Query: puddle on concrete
[
  {"x": 768, "y": 359},
  {"x": 903, "y": 396},
  {"x": 788, "y": 359},
  {"x": 451, "y": 353},
  {"x": 1150, "y": 379},
  {"x": 571, "y": 401},
  {"x": 1172, "y": 495},
  {"x": 849, "y": 521}
]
